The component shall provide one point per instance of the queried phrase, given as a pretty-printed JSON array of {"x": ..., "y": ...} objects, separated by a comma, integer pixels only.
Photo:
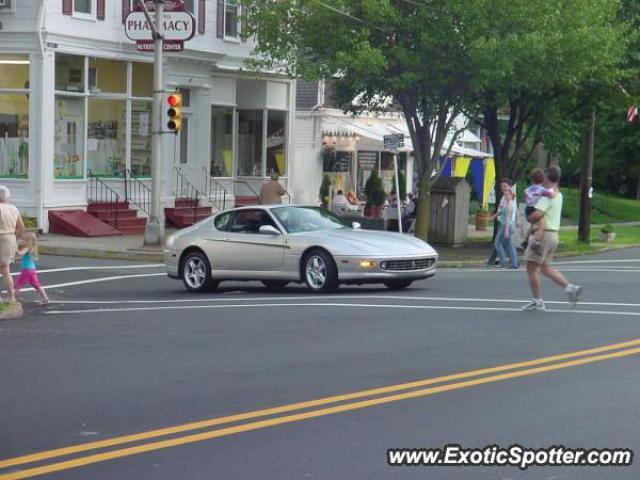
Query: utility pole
[
  {"x": 584, "y": 224},
  {"x": 154, "y": 229}
]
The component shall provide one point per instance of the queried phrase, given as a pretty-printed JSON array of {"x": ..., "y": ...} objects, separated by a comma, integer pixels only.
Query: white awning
[{"x": 372, "y": 130}]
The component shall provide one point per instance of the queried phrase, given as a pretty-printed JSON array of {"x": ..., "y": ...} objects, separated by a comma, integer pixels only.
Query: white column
[{"x": 42, "y": 117}]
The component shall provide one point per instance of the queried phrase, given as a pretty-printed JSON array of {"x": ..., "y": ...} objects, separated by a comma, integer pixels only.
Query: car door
[
  {"x": 246, "y": 249},
  {"x": 214, "y": 240}
]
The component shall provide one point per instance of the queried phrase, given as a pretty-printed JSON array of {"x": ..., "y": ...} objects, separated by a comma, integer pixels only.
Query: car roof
[{"x": 270, "y": 206}]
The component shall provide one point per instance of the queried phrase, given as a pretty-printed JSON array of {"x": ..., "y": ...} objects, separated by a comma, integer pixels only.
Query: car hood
[{"x": 347, "y": 241}]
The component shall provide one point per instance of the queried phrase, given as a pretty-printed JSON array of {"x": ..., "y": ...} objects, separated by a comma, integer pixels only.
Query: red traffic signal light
[{"x": 174, "y": 113}]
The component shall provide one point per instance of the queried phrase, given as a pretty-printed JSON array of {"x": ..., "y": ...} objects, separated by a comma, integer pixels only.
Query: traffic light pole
[{"x": 154, "y": 229}]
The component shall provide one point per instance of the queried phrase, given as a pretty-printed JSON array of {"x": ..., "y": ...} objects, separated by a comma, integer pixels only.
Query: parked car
[{"x": 279, "y": 244}]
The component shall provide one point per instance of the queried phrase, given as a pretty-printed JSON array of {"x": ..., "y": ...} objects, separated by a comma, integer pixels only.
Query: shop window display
[
  {"x": 105, "y": 137},
  {"x": 14, "y": 71},
  {"x": 276, "y": 161},
  {"x": 141, "y": 138},
  {"x": 14, "y": 116},
  {"x": 69, "y": 73},
  {"x": 367, "y": 163},
  {"x": 142, "y": 80},
  {"x": 14, "y": 135},
  {"x": 221, "y": 142},
  {"x": 250, "y": 143},
  {"x": 69, "y": 138},
  {"x": 107, "y": 76}
]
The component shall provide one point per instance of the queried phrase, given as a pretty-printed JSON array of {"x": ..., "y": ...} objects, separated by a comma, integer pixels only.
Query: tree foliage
[{"x": 505, "y": 63}]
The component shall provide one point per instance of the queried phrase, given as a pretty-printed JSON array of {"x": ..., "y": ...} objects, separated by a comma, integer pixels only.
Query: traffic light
[{"x": 174, "y": 113}]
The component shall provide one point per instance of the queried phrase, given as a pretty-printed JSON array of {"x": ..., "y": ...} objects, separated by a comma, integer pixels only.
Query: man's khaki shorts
[{"x": 548, "y": 248}]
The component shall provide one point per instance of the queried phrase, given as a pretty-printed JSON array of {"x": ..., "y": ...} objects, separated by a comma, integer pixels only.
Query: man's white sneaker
[
  {"x": 574, "y": 294},
  {"x": 534, "y": 306}
]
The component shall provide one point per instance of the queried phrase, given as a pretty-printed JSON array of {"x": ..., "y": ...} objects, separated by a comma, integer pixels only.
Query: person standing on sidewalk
[
  {"x": 506, "y": 226},
  {"x": 550, "y": 209},
  {"x": 11, "y": 225}
]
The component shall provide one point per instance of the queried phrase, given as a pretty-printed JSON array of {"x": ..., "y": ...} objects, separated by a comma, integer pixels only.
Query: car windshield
[{"x": 306, "y": 219}]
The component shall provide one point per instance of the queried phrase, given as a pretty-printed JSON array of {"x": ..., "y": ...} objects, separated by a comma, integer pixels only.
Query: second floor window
[
  {"x": 82, "y": 6},
  {"x": 231, "y": 18}
]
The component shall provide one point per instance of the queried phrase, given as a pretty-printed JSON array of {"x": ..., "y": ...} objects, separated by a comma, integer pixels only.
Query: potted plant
[
  {"x": 325, "y": 186},
  {"x": 375, "y": 195},
  {"x": 607, "y": 234},
  {"x": 482, "y": 219}
]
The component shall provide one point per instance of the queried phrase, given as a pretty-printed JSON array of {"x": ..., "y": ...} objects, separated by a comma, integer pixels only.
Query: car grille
[{"x": 407, "y": 265}]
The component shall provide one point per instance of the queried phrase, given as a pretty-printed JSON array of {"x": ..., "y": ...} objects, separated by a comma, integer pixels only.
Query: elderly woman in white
[{"x": 11, "y": 226}]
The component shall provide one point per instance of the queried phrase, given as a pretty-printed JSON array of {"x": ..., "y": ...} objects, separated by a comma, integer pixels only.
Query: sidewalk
[{"x": 122, "y": 247}]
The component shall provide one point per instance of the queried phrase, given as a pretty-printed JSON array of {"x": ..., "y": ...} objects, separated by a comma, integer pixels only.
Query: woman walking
[
  {"x": 506, "y": 226},
  {"x": 11, "y": 225}
]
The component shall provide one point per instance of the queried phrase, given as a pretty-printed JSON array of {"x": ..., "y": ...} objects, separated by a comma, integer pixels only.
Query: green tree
[
  {"x": 531, "y": 61},
  {"x": 384, "y": 53},
  {"x": 492, "y": 59}
]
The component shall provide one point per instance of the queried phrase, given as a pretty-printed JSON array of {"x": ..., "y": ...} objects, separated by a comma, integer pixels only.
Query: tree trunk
[
  {"x": 424, "y": 207},
  {"x": 638, "y": 188}
]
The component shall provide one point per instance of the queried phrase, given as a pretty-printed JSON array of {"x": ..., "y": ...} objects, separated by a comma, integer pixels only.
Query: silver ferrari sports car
[{"x": 279, "y": 244}]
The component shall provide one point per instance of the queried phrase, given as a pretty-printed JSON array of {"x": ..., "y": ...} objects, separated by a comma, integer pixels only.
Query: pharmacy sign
[{"x": 178, "y": 26}]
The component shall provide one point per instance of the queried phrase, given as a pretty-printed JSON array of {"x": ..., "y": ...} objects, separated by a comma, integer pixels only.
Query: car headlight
[{"x": 170, "y": 242}]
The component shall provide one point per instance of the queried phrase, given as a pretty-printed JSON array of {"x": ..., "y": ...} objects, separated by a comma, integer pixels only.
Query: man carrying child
[{"x": 548, "y": 208}]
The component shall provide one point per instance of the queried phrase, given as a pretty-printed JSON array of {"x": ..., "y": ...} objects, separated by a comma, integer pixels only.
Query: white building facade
[{"x": 76, "y": 96}]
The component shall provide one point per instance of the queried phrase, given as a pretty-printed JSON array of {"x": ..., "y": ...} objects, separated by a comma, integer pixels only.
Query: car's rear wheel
[
  {"x": 196, "y": 273},
  {"x": 275, "y": 284},
  {"x": 397, "y": 284},
  {"x": 320, "y": 272}
]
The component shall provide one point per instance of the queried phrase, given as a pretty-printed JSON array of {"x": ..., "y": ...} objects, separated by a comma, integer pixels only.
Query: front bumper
[{"x": 350, "y": 269}]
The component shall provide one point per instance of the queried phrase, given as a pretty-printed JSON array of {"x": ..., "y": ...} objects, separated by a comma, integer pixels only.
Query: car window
[
  {"x": 250, "y": 221},
  {"x": 306, "y": 219},
  {"x": 222, "y": 221}
]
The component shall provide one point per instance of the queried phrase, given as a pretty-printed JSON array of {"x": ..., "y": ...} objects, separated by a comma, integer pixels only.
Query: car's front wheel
[
  {"x": 398, "y": 284},
  {"x": 320, "y": 272},
  {"x": 196, "y": 273}
]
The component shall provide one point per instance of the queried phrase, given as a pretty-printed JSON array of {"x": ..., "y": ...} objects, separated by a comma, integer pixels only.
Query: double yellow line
[{"x": 300, "y": 411}]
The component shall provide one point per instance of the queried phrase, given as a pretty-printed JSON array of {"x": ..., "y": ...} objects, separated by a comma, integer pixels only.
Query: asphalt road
[{"x": 147, "y": 381}]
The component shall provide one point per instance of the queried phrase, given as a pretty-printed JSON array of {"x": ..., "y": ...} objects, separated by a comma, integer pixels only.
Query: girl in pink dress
[{"x": 28, "y": 250}]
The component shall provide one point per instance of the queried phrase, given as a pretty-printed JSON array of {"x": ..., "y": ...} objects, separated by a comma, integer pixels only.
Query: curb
[{"x": 134, "y": 255}]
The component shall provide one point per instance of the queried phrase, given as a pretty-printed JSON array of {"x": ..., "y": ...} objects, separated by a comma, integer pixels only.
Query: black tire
[
  {"x": 196, "y": 273},
  {"x": 319, "y": 272},
  {"x": 275, "y": 284},
  {"x": 397, "y": 284}
]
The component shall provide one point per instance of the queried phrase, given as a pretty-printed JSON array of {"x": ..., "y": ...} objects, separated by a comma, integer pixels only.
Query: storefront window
[
  {"x": 276, "y": 161},
  {"x": 68, "y": 161},
  {"x": 387, "y": 171},
  {"x": 14, "y": 135},
  {"x": 14, "y": 71},
  {"x": 141, "y": 139},
  {"x": 106, "y": 137},
  {"x": 250, "y": 143},
  {"x": 69, "y": 73},
  {"x": 367, "y": 163},
  {"x": 107, "y": 76},
  {"x": 221, "y": 142},
  {"x": 142, "y": 80}
]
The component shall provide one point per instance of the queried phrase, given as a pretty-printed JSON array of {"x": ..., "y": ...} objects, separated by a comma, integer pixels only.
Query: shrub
[{"x": 374, "y": 190}]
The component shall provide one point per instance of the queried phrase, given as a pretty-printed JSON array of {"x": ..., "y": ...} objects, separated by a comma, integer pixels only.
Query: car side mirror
[
  {"x": 268, "y": 230},
  {"x": 355, "y": 225}
]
